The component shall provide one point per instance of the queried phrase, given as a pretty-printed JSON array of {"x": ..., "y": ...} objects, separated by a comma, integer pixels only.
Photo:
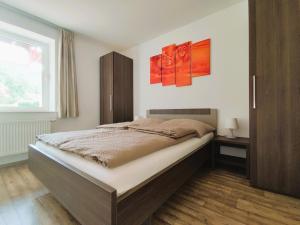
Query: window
[{"x": 26, "y": 71}]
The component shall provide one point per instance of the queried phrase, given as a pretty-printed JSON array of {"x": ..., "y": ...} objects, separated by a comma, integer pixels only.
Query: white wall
[
  {"x": 227, "y": 87},
  {"x": 87, "y": 53}
]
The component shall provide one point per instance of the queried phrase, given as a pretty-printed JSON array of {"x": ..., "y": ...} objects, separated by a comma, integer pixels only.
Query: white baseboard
[{"x": 11, "y": 159}]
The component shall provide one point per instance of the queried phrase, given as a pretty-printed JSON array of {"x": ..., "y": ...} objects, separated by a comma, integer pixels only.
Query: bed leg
[{"x": 148, "y": 221}]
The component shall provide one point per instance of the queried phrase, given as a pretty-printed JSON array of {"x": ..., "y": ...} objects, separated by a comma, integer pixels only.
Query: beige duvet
[{"x": 113, "y": 146}]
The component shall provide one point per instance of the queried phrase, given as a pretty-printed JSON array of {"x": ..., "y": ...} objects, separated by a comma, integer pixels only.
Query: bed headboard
[{"x": 208, "y": 116}]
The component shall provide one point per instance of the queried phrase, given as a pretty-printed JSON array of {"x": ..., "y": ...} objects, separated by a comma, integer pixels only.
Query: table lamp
[{"x": 231, "y": 124}]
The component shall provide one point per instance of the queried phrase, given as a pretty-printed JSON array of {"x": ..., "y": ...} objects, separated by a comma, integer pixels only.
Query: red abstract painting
[
  {"x": 168, "y": 65},
  {"x": 183, "y": 64},
  {"x": 178, "y": 64},
  {"x": 155, "y": 69},
  {"x": 200, "y": 58}
]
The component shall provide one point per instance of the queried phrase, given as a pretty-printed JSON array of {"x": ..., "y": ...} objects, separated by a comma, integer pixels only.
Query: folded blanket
[
  {"x": 175, "y": 128},
  {"x": 175, "y": 132},
  {"x": 123, "y": 125},
  {"x": 137, "y": 123}
]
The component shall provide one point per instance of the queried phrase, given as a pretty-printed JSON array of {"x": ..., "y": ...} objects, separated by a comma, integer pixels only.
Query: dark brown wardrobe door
[
  {"x": 123, "y": 88},
  {"x": 275, "y": 95},
  {"x": 106, "y": 89}
]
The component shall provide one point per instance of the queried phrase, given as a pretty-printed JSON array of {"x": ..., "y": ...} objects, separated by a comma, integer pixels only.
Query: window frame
[{"x": 48, "y": 61}]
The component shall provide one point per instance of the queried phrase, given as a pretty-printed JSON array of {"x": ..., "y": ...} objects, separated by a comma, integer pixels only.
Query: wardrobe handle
[
  {"x": 254, "y": 91},
  {"x": 110, "y": 103}
]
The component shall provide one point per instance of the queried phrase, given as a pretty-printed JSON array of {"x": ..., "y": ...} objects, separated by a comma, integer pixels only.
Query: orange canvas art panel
[
  {"x": 200, "y": 52},
  {"x": 168, "y": 65},
  {"x": 178, "y": 64},
  {"x": 183, "y": 64},
  {"x": 155, "y": 69}
]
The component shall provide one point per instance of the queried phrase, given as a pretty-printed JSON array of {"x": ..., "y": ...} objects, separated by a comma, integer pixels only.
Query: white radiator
[{"x": 17, "y": 135}]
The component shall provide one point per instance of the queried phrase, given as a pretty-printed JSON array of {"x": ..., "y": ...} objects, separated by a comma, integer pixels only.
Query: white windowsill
[
  {"x": 12, "y": 111},
  {"x": 17, "y": 116}
]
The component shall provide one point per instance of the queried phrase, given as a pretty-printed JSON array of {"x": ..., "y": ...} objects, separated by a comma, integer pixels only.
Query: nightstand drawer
[{"x": 239, "y": 145}]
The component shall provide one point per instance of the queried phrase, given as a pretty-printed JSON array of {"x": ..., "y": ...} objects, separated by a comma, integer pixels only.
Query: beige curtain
[{"x": 67, "y": 76}]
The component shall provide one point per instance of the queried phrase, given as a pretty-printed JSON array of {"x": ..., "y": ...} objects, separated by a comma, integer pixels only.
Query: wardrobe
[
  {"x": 275, "y": 95},
  {"x": 116, "y": 88}
]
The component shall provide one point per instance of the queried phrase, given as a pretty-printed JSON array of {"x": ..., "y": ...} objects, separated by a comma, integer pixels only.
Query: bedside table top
[{"x": 234, "y": 141}]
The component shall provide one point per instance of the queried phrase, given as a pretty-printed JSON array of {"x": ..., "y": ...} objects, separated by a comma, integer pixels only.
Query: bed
[{"x": 131, "y": 193}]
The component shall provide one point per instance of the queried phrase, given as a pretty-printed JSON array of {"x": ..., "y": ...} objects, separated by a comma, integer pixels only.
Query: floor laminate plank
[
  {"x": 284, "y": 207},
  {"x": 209, "y": 192},
  {"x": 237, "y": 214},
  {"x": 55, "y": 210},
  {"x": 230, "y": 185},
  {"x": 36, "y": 190},
  {"x": 34, "y": 184},
  {"x": 210, "y": 198},
  {"x": 193, "y": 217},
  {"x": 20, "y": 194},
  {"x": 283, "y": 218},
  {"x": 204, "y": 215},
  {"x": 255, "y": 195},
  {"x": 183, "y": 217},
  {"x": 8, "y": 212},
  {"x": 282, "y": 198},
  {"x": 230, "y": 175},
  {"x": 167, "y": 216},
  {"x": 236, "y": 193}
]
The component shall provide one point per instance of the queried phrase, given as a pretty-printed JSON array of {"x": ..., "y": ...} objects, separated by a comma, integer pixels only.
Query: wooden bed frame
[{"x": 93, "y": 202}]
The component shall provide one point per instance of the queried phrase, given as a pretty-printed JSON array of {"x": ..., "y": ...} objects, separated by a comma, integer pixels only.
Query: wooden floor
[{"x": 216, "y": 197}]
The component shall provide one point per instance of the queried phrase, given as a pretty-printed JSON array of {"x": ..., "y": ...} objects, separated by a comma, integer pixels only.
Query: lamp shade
[{"x": 231, "y": 123}]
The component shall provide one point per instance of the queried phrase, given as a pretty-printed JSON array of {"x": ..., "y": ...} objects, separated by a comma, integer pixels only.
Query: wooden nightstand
[{"x": 225, "y": 160}]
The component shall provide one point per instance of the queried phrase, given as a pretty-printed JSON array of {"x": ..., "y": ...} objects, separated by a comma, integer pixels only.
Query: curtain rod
[{"x": 28, "y": 15}]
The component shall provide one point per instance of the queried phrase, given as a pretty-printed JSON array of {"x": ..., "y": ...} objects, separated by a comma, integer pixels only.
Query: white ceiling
[{"x": 120, "y": 23}]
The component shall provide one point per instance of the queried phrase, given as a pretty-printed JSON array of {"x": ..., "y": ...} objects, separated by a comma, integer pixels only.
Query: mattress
[{"x": 129, "y": 175}]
